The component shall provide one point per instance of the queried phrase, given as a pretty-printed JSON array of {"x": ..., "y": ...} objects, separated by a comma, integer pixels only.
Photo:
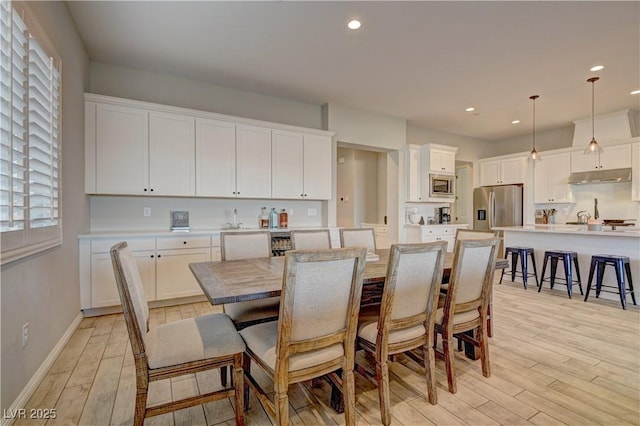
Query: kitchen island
[{"x": 585, "y": 243}]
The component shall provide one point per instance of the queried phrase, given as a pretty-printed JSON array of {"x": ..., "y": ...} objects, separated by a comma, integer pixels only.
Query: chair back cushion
[
  {"x": 470, "y": 234},
  {"x": 134, "y": 302},
  {"x": 245, "y": 245},
  {"x": 321, "y": 293},
  {"x": 310, "y": 240},
  {"x": 473, "y": 268},
  {"x": 358, "y": 237},
  {"x": 414, "y": 275}
]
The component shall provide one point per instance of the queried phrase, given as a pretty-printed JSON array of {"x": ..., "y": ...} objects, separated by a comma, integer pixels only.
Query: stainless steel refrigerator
[{"x": 497, "y": 206}]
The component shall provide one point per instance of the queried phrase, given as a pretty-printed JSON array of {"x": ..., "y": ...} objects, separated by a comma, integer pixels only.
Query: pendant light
[
  {"x": 593, "y": 147},
  {"x": 533, "y": 155}
]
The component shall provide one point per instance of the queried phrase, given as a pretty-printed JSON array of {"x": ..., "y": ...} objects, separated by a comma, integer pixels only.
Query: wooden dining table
[{"x": 234, "y": 281}]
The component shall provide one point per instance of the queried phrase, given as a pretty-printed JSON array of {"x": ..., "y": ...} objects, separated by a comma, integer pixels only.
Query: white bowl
[{"x": 414, "y": 218}]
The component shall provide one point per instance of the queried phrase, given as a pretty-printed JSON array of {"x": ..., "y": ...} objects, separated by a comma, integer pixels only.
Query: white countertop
[
  {"x": 178, "y": 234},
  {"x": 572, "y": 230}
]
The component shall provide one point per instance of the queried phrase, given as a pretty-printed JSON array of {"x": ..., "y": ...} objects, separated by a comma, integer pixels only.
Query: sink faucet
[
  {"x": 235, "y": 224},
  {"x": 595, "y": 209}
]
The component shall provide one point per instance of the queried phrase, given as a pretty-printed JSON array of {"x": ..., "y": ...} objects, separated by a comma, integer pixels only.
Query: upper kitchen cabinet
[
  {"x": 612, "y": 157},
  {"x": 215, "y": 158},
  {"x": 253, "y": 162},
  {"x": 440, "y": 159},
  {"x": 502, "y": 171},
  {"x": 172, "y": 160},
  {"x": 131, "y": 151},
  {"x": 423, "y": 161},
  {"x": 301, "y": 166},
  {"x": 117, "y": 150},
  {"x": 551, "y": 179}
]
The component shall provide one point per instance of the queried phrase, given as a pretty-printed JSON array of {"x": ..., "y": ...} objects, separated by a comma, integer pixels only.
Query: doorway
[{"x": 462, "y": 209}]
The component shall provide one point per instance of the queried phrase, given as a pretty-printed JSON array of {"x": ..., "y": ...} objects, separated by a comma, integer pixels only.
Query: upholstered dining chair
[
  {"x": 316, "y": 332},
  {"x": 239, "y": 245},
  {"x": 471, "y": 234},
  {"x": 176, "y": 348},
  {"x": 467, "y": 301},
  {"x": 355, "y": 237},
  {"x": 407, "y": 314},
  {"x": 310, "y": 239}
]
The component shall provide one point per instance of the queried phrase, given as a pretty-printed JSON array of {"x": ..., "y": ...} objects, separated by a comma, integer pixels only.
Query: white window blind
[{"x": 30, "y": 96}]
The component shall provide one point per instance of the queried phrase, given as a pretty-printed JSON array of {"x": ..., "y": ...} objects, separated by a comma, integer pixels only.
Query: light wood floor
[{"x": 554, "y": 361}]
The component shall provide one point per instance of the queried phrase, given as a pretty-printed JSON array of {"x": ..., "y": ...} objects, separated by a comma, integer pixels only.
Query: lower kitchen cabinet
[
  {"x": 163, "y": 263},
  {"x": 432, "y": 233}
]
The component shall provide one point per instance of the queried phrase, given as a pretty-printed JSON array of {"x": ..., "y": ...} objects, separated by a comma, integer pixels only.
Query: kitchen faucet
[
  {"x": 235, "y": 224},
  {"x": 595, "y": 209}
]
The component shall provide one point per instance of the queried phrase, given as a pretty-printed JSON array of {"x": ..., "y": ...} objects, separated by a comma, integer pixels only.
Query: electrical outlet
[
  {"x": 312, "y": 212},
  {"x": 147, "y": 211},
  {"x": 25, "y": 334}
]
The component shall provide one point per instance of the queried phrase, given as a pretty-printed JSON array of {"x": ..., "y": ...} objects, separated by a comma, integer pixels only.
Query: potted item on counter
[
  {"x": 284, "y": 218},
  {"x": 594, "y": 225},
  {"x": 263, "y": 218}
]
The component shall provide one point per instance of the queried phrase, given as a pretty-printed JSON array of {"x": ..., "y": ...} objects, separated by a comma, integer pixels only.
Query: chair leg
[
  {"x": 544, "y": 268},
  {"x": 621, "y": 285},
  {"x": 430, "y": 372},
  {"x": 238, "y": 383},
  {"x": 535, "y": 273},
  {"x": 282, "y": 408},
  {"x": 514, "y": 265},
  {"x": 627, "y": 267},
  {"x": 591, "y": 271},
  {"x": 349, "y": 393},
  {"x": 579, "y": 279},
  {"x": 246, "y": 367},
  {"x": 554, "y": 270},
  {"x": 566, "y": 262},
  {"x": 382, "y": 377},
  {"x": 448, "y": 362},
  {"x": 524, "y": 267},
  {"x": 141, "y": 406},
  {"x": 483, "y": 340},
  {"x": 600, "y": 277},
  {"x": 489, "y": 321}
]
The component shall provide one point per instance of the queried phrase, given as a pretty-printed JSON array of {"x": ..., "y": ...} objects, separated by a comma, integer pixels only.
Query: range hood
[{"x": 601, "y": 176}]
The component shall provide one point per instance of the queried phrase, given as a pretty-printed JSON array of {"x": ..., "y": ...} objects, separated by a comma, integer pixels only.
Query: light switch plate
[{"x": 312, "y": 212}]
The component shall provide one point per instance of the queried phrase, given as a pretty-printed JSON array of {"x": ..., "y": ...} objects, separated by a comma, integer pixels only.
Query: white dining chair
[
  {"x": 310, "y": 239},
  {"x": 358, "y": 237}
]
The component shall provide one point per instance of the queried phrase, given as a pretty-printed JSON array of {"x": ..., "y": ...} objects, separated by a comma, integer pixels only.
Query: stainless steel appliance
[
  {"x": 497, "y": 206},
  {"x": 443, "y": 215},
  {"x": 442, "y": 186}
]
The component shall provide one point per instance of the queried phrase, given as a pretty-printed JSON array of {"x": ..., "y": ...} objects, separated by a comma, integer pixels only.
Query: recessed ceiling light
[
  {"x": 470, "y": 109},
  {"x": 597, "y": 68},
  {"x": 515, "y": 122},
  {"x": 354, "y": 24},
  {"x": 636, "y": 92}
]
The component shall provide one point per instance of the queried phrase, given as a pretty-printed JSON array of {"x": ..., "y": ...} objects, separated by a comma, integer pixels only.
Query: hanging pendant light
[
  {"x": 533, "y": 155},
  {"x": 593, "y": 147}
]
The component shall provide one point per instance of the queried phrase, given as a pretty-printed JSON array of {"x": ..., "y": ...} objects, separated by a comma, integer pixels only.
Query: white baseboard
[{"x": 36, "y": 379}]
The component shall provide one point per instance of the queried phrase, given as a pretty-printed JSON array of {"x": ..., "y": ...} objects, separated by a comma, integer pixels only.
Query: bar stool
[
  {"x": 621, "y": 263},
  {"x": 566, "y": 257},
  {"x": 521, "y": 252}
]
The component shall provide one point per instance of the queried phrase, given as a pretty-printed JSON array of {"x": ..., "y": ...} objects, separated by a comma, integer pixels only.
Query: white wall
[
  {"x": 545, "y": 141},
  {"x": 469, "y": 149},
  {"x": 43, "y": 289},
  {"x": 358, "y": 194},
  {"x": 165, "y": 89}
]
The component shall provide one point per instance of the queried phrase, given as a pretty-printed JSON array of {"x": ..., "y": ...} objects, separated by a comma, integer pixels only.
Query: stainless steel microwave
[{"x": 442, "y": 186}]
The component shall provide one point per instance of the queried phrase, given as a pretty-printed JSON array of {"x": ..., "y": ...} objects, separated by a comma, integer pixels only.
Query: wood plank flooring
[{"x": 554, "y": 361}]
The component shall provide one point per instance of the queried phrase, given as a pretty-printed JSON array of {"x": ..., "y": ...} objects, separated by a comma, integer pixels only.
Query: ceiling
[{"x": 422, "y": 61}]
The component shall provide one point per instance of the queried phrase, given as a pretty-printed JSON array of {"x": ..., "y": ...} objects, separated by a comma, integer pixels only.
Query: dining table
[{"x": 233, "y": 281}]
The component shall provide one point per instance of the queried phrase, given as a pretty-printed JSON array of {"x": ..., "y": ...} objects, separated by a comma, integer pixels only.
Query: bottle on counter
[
  {"x": 273, "y": 218},
  {"x": 284, "y": 218},
  {"x": 263, "y": 218}
]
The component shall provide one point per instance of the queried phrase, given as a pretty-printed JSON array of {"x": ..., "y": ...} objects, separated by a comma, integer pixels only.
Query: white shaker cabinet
[
  {"x": 551, "y": 177},
  {"x": 120, "y": 150},
  {"x": 414, "y": 174},
  {"x": 502, "y": 172},
  {"x": 215, "y": 158},
  {"x": 253, "y": 162},
  {"x": 429, "y": 234},
  {"x": 612, "y": 157},
  {"x": 301, "y": 166},
  {"x": 135, "y": 152},
  {"x": 171, "y": 155},
  {"x": 440, "y": 161}
]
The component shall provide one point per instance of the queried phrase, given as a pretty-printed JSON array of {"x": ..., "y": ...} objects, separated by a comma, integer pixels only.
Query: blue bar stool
[
  {"x": 566, "y": 257},
  {"x": 621, "y": 263},
  {"x": 521, "y": 252}
]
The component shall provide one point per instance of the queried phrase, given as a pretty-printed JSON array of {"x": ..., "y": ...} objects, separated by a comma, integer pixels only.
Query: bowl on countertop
[{"x": 414, "y": 218}]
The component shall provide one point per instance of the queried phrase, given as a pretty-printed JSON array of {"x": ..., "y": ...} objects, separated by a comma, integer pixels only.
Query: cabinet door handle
[
  {"x": 152, "y": 256},
  {"x": 145, "y": 190},
  {"x": 184, "y": 242},
  {"x": 159, "y": 256},
  {"x": 151, "y": 189}
]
